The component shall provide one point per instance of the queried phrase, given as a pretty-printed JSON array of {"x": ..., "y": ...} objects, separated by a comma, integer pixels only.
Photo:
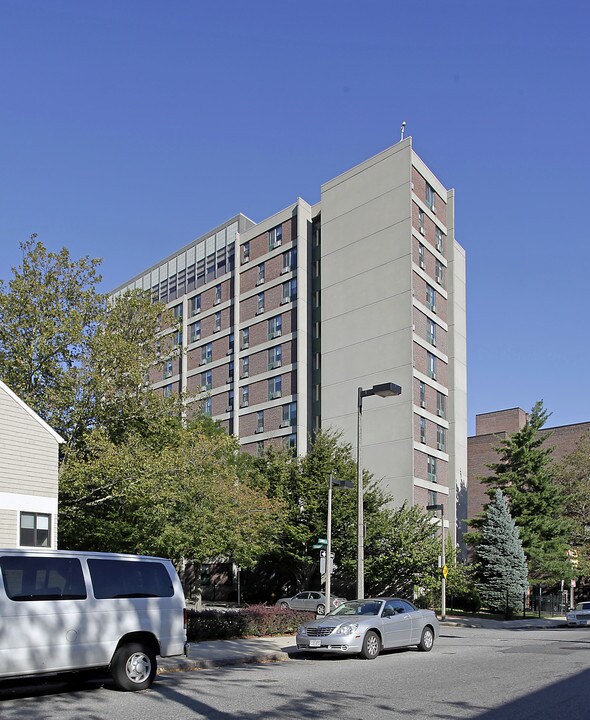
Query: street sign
[
  {"x": 445, "y": 571},
  {"x": 322, "y": 541}
]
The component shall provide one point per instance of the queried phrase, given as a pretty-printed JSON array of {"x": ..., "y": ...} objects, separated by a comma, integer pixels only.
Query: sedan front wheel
[
  {"x": 371, "y": 646},
  {"x": 427, "y": 641}
]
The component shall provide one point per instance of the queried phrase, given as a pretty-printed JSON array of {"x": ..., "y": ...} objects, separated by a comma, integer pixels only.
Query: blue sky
[{"x": 130, "y": 127}]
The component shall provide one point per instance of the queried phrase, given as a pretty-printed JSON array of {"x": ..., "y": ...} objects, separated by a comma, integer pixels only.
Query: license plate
[{"x": 315, "y": 642}]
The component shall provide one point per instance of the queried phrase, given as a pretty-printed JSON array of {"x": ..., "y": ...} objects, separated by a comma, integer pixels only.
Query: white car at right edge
[{"x": 579, "y": 616}]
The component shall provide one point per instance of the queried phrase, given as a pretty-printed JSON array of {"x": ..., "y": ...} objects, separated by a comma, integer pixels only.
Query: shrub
[{"x": 254, "y": 620}]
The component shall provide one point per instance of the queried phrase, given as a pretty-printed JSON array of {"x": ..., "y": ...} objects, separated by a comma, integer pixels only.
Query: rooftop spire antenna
[{"x": 403, "y": 130}]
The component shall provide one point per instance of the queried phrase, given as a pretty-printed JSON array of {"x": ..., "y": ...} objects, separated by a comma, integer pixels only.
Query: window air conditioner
[
  {"x": 421, "y": 229},
  {"x": 284, "y": 424},
  {"x": 260, "y": 281},
  {"x": 258, "y": 430},
  {"x": 259, "y": 311},
  {"x": 285, "y": 300},
  {"x": 285, "y": 270}
]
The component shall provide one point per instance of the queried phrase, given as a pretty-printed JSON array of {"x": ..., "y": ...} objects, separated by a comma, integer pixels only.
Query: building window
[
  {"x": 260, "y": 421},
  {"x": 275, "y": 387},
  {"x": 230, "y": 343},
  {"x": 206, "y": 353},
  {"x": 432, "y": 497},
  {"x": 246, "y": 252},
  {"x": 260, "y": 447},
  {"x": 245, "y": 338},
  {"x": 289, "y": 414},
  {"x": 422, "y": 392},
  {"x": 441, "y": 438},
  {"x": 244, "y": 396},
  {"x": 35, "y": 529},
  {"x": 431, "y": 364},
  {"x": 260, "y": 278},
  {"x": 178, "y": 339},
  {"x": 195, "y": 330},
  {"x": 168, "y": 369},
  {"x": 245, "y": 366},
  {"x": 431, "y": 298},
  {"x": 289, "y": 260},
  {"x": 195, "y": 305},
  {"x": 440, "y": 273},
  {"x": 178, "y": 312},
  {"x": 432, "y": 469},
  {"x": 422, "y": 430},
  {"x": 431, "y": 331},
  {"x": 260, "y": 304},
  {"x": 439, "y": 240},
  {"x": 207, "y": 407},
  {"x": 421, "y": 261},
  {"x": 167, "y": 391},
  {"x": 217, "y": 327},
  {"x": 275, "y": 327},
  {"x": 217, "y": 294},
  {"x": 421, "y": 220},
  {"x": 430, "y": 196},
  {"x": 441, "y": 405},
  {"x": 289, "y": 291},
  {"x": 206, "y": 380},
  {"x": 275, "y": 357},
  {"x": 290, "y": 442},
  {"x": 275, "y": 237},
  {"x": 230, "y": 372}
]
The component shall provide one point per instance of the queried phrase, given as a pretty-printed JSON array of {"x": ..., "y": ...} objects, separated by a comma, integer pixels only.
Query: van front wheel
[{"x": 133, "y": 667}]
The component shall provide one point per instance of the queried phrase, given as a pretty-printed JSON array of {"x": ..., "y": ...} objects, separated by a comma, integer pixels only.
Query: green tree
[
  {"x": 573, "y": 476},
  {"x": 48, "y": 312},
  {"x": 524, "y": 474},
  {"x": 502, "y": 569}
]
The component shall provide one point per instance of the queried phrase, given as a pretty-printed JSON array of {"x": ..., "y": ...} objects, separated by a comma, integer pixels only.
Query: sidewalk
[{"x": 217, "y": 653}]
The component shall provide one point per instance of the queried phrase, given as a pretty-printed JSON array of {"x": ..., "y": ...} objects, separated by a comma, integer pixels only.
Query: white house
[{"x": 28, "y": 475}]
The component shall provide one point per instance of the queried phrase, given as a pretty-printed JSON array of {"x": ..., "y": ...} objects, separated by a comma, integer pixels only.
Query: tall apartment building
[{"x": 283, "y": 321}]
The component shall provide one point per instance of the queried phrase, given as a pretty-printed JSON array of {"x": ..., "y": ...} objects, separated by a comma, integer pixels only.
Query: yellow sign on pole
[{"x": 445, "y": 571}]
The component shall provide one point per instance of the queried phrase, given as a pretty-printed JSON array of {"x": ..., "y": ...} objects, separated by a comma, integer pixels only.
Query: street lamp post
[
  {"x": 333, "y": 483},
  {"x": 383, "y": 390},
  {"x": 443, "y": 600}
]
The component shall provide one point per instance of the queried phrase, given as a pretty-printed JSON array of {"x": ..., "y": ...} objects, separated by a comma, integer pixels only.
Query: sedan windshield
[{"x": 358, "y": 607}]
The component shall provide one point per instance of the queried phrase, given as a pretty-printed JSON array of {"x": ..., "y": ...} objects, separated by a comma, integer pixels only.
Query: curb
[{"x": 185, "y": 664}]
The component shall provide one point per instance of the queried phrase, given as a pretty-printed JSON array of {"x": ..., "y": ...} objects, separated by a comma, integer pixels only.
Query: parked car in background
[
  {"x": 579, "y": 616},
  {"x": 365, "y": 627},
  {"x": 311, "y": 600}
]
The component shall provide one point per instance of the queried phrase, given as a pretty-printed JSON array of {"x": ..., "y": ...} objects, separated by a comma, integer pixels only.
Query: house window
[
  {"x": 422, "y": 430},
  {"x": 430, "y": 196},
  {"x": 246, "y": 252},
  {"x": 245, "y": 338},
  {"x": 195, "y": 330},
  {"x": 35, "y": 529},
  {"x": 439, "y": 239},
  {"x": 440, "y": 273},
  {"x": 275, "y": 387},
  {"x": 275, "y": 237},
  {"x": 245, "y": 367},
  {"x": 207, "y": 407},
  {"x": 217, "y": 322},
  {"x": 432, "y": 469},
  {"x": 275, "y": 327},
  {"x": 421, "y": 220},
  {"x": 244, "y": 396},
  {"x": 207, "y": 353},
  {"x": 217, "y": 294},
  {"x": 431, "y": 298},
  {"x": 167, "y": 391},
  {"x": 168, "y": 369},
  {"x": 431, "y": 331},
  {"x": 441, "y": 405},
  {"x": 422, "y": 392},
  {"x": 421, "y": 261},
  {"x": 289, "y": 414},
  {"x": 195, "y": 305},
  {"x": 275, "y": 357},
  {"x": 441, "y": 438},
  {"x": 260, "y": 421},
  {"x": 260, "y": 304},
  {"x": 431, "y": 364},
  {"x": 289, "y": 260},
  {"x": 260, "y": 278},
  {"x": 206, "y": 380}
]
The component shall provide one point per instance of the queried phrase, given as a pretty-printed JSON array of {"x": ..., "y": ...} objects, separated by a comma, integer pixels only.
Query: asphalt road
[{"x": 471, "y": 673}]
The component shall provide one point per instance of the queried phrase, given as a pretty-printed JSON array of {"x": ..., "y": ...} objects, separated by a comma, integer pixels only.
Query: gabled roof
[{"x": 58, "y": 438}]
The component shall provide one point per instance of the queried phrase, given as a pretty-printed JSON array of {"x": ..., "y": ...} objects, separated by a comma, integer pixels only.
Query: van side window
[
  {"x": 129, "y": 578},
  {"x": 42, "y": 578}
]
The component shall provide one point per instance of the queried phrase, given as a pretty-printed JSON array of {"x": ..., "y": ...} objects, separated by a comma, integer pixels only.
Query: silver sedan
[
  {"x": 310, "y": 600},
  {"x": 365, "y": 627}
]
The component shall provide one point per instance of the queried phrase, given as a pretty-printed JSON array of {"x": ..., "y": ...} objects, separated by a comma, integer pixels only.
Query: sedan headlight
[
  {"x": 347, "y": 629},
  {"x": 302, "y": 630}
]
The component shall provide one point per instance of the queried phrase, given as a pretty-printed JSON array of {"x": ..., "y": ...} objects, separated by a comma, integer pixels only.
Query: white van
[{"x": 65, "y": 610}]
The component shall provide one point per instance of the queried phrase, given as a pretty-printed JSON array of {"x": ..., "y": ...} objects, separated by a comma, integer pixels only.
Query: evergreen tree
[
  {"x": 524, "y": 474},
  {"x": 502, "y": 569}
]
